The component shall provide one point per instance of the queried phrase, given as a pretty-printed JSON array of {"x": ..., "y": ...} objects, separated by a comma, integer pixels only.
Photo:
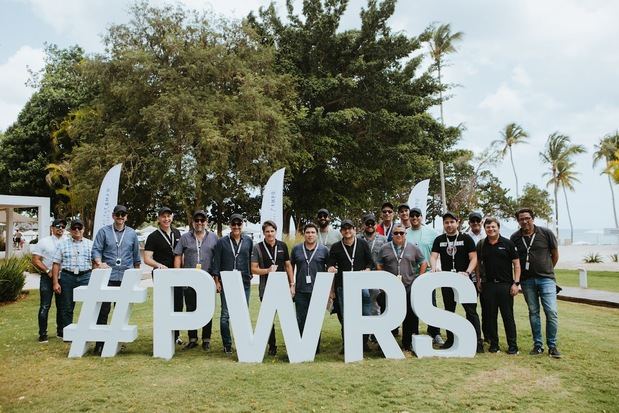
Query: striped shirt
[{"x": 74, "y": 255}]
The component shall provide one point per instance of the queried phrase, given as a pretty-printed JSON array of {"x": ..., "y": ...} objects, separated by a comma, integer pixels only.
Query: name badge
[
  {"x": 308, "y": 279},
  {"x": 199, "y": 266},
  {"x": 76, "y": 271},
  {"x": 526, "y": 265}
]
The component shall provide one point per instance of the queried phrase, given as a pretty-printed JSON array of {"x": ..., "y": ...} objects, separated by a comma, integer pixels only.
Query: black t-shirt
[
  {"x": 457, "y": 259},
  {"x": 540, "y": 258},
  {"x": 163, "y": 246},
  {"x": 496, "y": 259},
  {"x": 337, "y": 257},
  {"x": 261, "y": 253}
]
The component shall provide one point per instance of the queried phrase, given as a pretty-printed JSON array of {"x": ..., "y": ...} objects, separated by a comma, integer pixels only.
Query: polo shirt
[
  {"x": 188, "y": 245},
  {"x": 338, "y": 257},
  {"x": 463, "y": 244},
  {"x": 162, "y": 246},
  {"x": 540, "y": 260},
  {"x": 317, "y": 264},
  {"x": 496, "y": 260},
  {"x": 262, "y": 254},
  {"x": 422, "y": 238},
  {"x": 408, "y": 267}
]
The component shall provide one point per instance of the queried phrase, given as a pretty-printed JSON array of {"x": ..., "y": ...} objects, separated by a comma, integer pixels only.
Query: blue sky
[{"x": 549, "y": 66}]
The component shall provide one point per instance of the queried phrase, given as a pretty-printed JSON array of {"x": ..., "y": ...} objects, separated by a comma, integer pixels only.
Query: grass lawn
[
  {"x": 39, "y": 377},
  {"x": 596, "y": 280}
]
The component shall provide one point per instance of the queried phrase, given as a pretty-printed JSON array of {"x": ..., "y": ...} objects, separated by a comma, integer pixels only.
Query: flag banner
[
  {"x": 273, "y": 201},
  {"x": 292, "y": 228},
  {"x": 418, "y": 197},
  {"x": 108, "y": 198}
]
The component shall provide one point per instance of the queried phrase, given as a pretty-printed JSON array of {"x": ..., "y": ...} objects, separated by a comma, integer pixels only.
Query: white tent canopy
[{"x": 8, "y": 203}]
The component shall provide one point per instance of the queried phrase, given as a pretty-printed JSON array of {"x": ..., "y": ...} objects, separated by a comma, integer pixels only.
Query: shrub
[
  {"x": 593, "y": 258},
  {"x": 614, "y": 257},
  {"x": 12, "y": 278}
]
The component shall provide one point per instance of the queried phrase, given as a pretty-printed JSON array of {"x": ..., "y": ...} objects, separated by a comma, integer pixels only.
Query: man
[
  {"x": 307, "y": 258},
  {"x": 423, "y": 237},
  {"x": 376, "y": 242},
  {"x": 327, "y": 236},
  {"x": 539, "y": 252},
  {"x": 195, "y": 250},
  {"x": 350, "y": 254},
  {"x": 404, "y": 214},
  {"x": 43, "y": 260},
  {"x": 475, "y": 228},
  {"x": 116, "y": 246},
  {"x": 386, "y": 225},
  {"x": 457, "y": 254},
  {"x": 72, "y": 268},
  {"x": 159, "y": 253},
  {"x": 407, "y": 262},
  {"x": 271, "y": 255},
  {"x": 232, "y": 252},
  {"x": 498, "y": 268}
]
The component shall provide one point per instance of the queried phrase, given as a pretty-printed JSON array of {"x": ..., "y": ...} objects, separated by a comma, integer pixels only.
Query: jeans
[
  {"x": 47, "y": 292},
  {"x": 224, "y": 319},
  {"x": 469, "y": 309},
  {"x": 433, "y": 331},
  {"x": 410, "y": 325},
  {"x": 544, "y": 289},
  {"x": 301, "y": 305},
  {"x": 191, "y": 305},
  {"x": 496, "y": 296},
  {"x": 69, "y": 281}
]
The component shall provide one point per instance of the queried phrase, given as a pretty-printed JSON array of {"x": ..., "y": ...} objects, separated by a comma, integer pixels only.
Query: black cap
[
  {"x": 403, "y": 206},
  {"x": 236, "y": 217},
  {"x": 475, "y": 215},
  {"x": 389, "y": 204},
  {"x": 450, "y": 214},
  {"x": 199, "y": 212},
  {"x": 369, "y": 217},
  {"x": 323, "y": 211},
  {"x": 347, "y": 223},
  {"x": 417, "y": 210},
  {"x": 76, "y": 222},
  {"x": 59, "y": 221},
  {"x": 119, "y": 208},
  {"x": 164, "y": 210}
]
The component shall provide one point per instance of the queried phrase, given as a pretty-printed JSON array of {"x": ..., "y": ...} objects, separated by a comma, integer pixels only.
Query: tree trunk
[
  {"x": 556, "y": 212},
  {"x": 440, "y": 92},
  {"x": 511, "y": 157},
  {"x": 612, "y": 194},
  {"x": 569, "y": 216}
]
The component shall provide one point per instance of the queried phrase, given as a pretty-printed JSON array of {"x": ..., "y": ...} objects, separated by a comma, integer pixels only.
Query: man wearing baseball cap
[
  {"x": 327, "y": 236},
  {"x": 376, "y": 242},
  {"x": 385, "y": 227},
  {"x": 404, "y": 215}
]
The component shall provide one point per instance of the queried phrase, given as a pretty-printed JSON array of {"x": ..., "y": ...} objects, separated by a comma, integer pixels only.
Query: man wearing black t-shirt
[
  {"x": 457, "y": 254},
  {"x": 498, "y": 267},
  {"x": 269, "y": 256},
  {"x": 350, "y": 254},
  {"x": 159, "y": 253}
]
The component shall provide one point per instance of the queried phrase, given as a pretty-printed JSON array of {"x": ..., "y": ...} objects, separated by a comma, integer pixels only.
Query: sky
[{"x": 548, "y": 66}]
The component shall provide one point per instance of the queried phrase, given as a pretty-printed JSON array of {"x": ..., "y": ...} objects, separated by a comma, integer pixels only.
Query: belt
[{"x": 79, "y": 273}]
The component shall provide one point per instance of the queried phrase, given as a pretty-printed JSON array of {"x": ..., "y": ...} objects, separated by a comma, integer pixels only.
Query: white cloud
[
  {"x": 503, "y": 100},
  {"x": 520, "y": 76}
]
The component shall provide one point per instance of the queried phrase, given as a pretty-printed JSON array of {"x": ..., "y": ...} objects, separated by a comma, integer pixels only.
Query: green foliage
[
  {"x": 593, "y": 258},
  {"x": 537, "y": 199},
  {"x": 12, "y": 278},
  {"x": 614, "y": 257}
]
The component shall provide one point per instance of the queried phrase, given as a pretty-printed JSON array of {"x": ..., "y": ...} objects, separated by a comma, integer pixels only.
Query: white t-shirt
[{"x": 46, "y": 249}]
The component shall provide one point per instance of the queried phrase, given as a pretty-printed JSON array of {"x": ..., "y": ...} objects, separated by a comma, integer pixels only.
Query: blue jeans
[
  {"x": 69, "y": 281},
  {"x": 366, "y": 307},
  {"x": 224, "y": 319},
  {"x": 544, "y": 289},
  {"x": 47, "y": 292}
]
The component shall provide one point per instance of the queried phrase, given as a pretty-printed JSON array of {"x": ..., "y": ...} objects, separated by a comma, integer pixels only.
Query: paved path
[{"x": 589, "y": 296}]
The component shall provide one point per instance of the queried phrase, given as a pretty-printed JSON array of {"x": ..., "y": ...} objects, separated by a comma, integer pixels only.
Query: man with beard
[
  {"x": 376, "y": 242},
  {"x": 477, "y": 233},
  {"x": 327, "y": 236}
]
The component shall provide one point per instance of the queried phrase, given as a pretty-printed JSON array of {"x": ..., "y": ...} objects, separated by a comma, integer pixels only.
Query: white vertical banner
[
  {"x": 292, "y": 228},
  {"x": 418, "y": 197},
  {"x": 108, "y": 198},
  {"x": 273, "y": 201}
]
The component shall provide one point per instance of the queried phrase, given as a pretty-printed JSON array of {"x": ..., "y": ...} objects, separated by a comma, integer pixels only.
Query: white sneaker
[
  {"x": 179, "y": 341},
  {"x": 438, "y": 340}
]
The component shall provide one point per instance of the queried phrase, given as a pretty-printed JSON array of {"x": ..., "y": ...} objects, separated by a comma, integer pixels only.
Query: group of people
[{"x": 498, "y": 267}]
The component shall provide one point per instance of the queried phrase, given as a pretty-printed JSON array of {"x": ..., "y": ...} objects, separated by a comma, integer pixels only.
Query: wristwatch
[{"x": 517, "y": 283}]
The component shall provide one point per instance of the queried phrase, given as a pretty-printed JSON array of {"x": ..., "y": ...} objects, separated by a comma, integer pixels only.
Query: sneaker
[
  {"x": 494, "y": 349},
  {"x": 513, "y": 351},
  {"x": 536, "y": 351},
  {"x": 43, "y": 338},
  {"x": 438, "y": 340},
  {"x": 446, "y": 345},
  {"x": 480, "y": 347},
  {"x": 408, "y": 349},
  {"x": 191, "y": 344},
  {"x": 98, "y": 349},
  {"x": 554, "y": 352},
  {"x": 228, "y": 351},
  {"x": 179, "y": 341},
  {"x": 206, "y": 345},
  {"x": 272, "y": 350}
]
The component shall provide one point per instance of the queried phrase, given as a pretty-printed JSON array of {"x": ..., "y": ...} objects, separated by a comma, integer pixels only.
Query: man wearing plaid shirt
[{"x": 72, "y": 260}]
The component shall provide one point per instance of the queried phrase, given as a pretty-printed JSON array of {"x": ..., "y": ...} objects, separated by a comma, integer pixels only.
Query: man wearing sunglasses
[
  {"x": 386, "y": 226},
  {"x": 327, "y": 236},
  {"x": 195, "y": 250},
  {"x": 376, "y": 242},
  {"x": 42, "y": 259},
  {"x": 72, "y": 268},
  {"x": 232, "y": 252},
  {"x": 116, "y": 246},
  {"x": 405, "y": 260},
  {"x": 477, "y": 232}
]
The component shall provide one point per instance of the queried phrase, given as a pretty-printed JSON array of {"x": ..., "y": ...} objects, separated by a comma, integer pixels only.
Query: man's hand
[
  {"x": 102, "y": 265},
  {"x": 514, "y": 290},
  {"x": 292, "y": 290},
  {"x": 57, "y": 288},
  {"x": 332, "y": 269}
]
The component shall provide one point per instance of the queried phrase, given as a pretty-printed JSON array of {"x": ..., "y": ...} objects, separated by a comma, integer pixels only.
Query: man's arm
[
  {"x": 472, "y": 262},
  {"x": 554, "y": 255},
  {"x": 433, "y": 261},
  {"x": 97, "y": 250},
  {"x": 516, "y": 265},
  {"x": 38, "y": 263},
  {"x": 55, "y": 273},
  {"x": 137, "y": 260}
]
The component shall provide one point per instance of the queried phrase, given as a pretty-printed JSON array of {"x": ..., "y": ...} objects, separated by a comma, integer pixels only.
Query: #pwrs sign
[{"x": 251, "y": 343}]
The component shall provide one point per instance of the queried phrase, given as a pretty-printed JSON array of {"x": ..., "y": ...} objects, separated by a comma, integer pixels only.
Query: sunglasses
[
  {"x": 236, "y": 224},
  {"x": 77, "y": 228},
  {"x": 370, "y": 223},
  {"x": 120, "y": 214},
  {"x": 387, "y": 211},
  {"x": 199, "y": 220},
  {"x": 322, "y": 215},
  {"x": 60, "y": 226},
  {"x": 415, "y": 215},
  {"x": 474, "y": 221},
  {"x": 398, "y": 233}
]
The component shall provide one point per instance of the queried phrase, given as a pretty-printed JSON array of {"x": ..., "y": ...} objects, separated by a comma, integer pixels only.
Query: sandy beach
[{"x": 571, "y": 257}]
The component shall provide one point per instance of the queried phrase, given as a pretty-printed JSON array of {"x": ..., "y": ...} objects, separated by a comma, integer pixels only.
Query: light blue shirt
[
  {"x": 74, "y": 255},
  {"x": 110, "y": 245},
  {"x": 422, "y": 238}
]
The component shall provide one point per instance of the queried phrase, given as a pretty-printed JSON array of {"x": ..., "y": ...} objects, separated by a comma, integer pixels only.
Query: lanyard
[
  {"x": 307, "y": 261},
  {"x": 354, "y": 249},
  {"x": 235, "y": 252},
  {"x": 118, "y": 243},
  {"x": 387, "y": 232},
  {"x": 198, "y": 245},
  {"x": 396, "y": 254},
  {"x": 528, "y": 247},
  {"x": 165, "y": 236},
  {"x": 451, "y": 250},
  {"x": 273, "y": 257}
]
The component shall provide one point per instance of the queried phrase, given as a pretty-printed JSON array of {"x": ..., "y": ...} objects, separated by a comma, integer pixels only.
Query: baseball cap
[
  {"x": 403, "y": 206},
  {"x": 389, "y": 204},
  {"x": 59, "y": 221},
  {"x": 416, "y": 210},
  {"x": 119, "y": 208},
  {"x": 164, "y": 210},
  {"x": 475, "y": 215},
  {"x": 77, "y": 222},
  {"x": 369, "y": 217},
  {"x": 198, "y": 213},
  {"x": 450, "y": 214},
  {"x": 323, "y": 211},
  {"x": 347, "y": 223},
  {"x": 236, "y": 217}
]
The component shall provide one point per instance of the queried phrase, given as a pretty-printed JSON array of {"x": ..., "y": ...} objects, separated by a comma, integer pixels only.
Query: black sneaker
[
  {"x": 554, "y": 352},
  {"x": 206, "y": 345},
  {"x": 228, "y": 351},
  {"x": 43, "y": 338},
  {"x": 480, "y": 347},
  {"x": 191, "y": 344},
  {"x": 494, "y": 349},
  {"x": 536, "y": 351},
  {"x": 272, "y": 350},
  {"x": 408, "y": 349},
  {"x": 512, "y": 351}
]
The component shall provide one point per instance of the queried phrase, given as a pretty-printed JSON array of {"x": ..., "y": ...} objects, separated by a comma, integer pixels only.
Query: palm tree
[
  {"x": 558, "y": 155},
  {"x": 605, "y": 151},
  {"x": 513, "y": 134},
  {"x": 442, "y": 42}
]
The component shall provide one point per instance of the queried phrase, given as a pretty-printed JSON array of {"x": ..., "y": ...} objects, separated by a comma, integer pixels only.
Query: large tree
[
  {"x": 365, "y": 134},
  {"x": 513, "y": 134},
  {"x": 606, "y": 152},
  {"x": 558, "y": 155}
]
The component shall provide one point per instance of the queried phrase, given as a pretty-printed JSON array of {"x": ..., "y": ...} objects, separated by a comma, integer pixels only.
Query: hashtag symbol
[{"x": 97, "y": 292}]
